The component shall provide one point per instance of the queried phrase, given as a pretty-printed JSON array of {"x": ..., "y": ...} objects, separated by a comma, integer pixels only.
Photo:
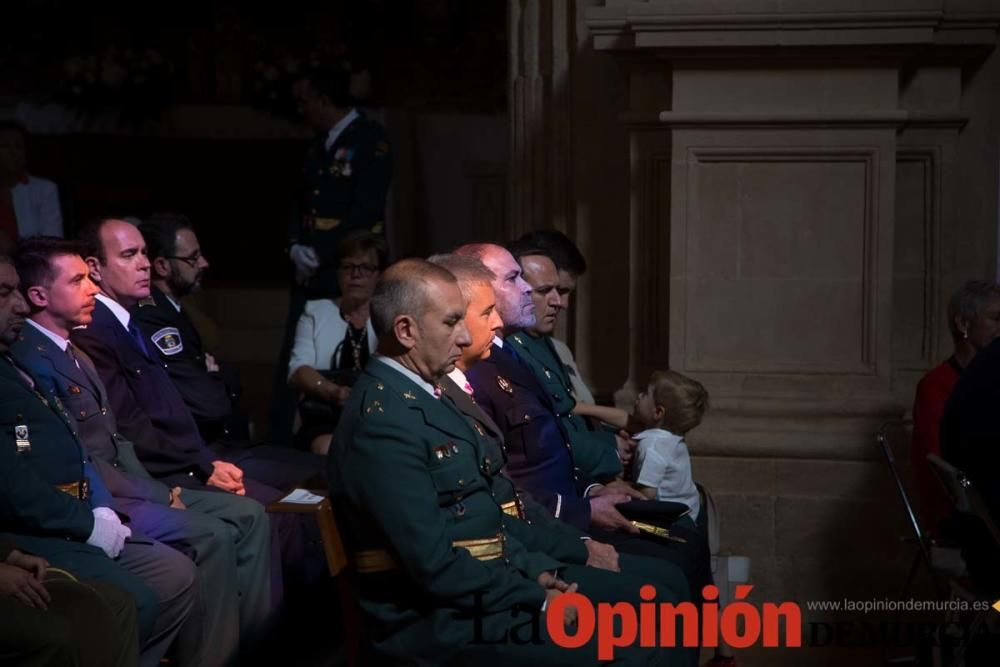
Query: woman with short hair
[
  {"x": 334, "y": 339},
  {"x": 974, "y": 321}
]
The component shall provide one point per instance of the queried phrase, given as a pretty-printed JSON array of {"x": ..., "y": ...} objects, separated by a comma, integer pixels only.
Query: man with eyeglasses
[{"x": 211, "y": 390}]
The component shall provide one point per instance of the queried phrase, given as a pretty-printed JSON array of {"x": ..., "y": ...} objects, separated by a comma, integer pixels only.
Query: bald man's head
[{"x": 513, "y": 294}]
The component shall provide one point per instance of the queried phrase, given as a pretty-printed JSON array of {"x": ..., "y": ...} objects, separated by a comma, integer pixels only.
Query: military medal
[
  {"x": 21, "y": 438},
  {"x": 504, "y": 384}
]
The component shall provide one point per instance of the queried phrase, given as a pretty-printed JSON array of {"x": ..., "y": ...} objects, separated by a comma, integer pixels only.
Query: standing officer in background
[{"x": 346, "y": 179}]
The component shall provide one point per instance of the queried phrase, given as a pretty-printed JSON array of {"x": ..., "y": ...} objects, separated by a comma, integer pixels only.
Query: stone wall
[{"x": 777, "y": 199}]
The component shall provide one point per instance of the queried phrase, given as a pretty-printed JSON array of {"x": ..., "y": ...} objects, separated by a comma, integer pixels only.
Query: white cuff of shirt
[
  {"x": 586, "y": 492},
  {"x": 558, "y": 505}
]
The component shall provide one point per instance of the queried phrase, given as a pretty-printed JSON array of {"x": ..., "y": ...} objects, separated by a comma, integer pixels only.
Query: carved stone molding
[
  {"x": 761, "y": 284},
  {"x": 678, "y": 24}
]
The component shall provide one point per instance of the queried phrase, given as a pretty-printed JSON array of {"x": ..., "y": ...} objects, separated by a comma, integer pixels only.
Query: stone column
[
  {"x": 809, "y": 181},
  {"x": 542, "y": 43}
]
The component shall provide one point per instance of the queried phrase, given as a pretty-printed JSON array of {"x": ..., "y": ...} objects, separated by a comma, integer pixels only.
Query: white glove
[
  {"x": 108, "y": 534},
  {"x": 305, "y": 259}
]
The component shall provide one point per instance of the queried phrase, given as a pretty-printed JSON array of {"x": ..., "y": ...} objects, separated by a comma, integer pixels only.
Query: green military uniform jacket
[
  {"x": 594, "y": 452},
  {"x": 39, "y": 449},
  {"x": 410, "y": 476},
  {"x": 345, "y": 188}
]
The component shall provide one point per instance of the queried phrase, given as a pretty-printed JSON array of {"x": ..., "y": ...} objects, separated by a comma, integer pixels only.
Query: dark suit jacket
[
  {"x": 29, "y": 502},
  {"x": 970, "y": 430},
  {"x": 149, "y": 409},
  {"x": 86, "y": 400},
  {"x": 538, "y": 452},
  {"x": 173, "y": 338}
]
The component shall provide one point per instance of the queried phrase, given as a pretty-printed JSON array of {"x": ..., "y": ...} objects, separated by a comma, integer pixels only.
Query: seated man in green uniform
[
  {"x": 444, "y": 568},
  {"x": 598, "y": 452},
  {"x": 52, "y": 618}
]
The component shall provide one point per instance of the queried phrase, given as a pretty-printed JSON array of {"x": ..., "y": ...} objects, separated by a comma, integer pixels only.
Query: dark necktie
[
  {"x": 72, "y": 356},
  {"x": 136, "y": 335},
  {"x": 84, "y": 366}
]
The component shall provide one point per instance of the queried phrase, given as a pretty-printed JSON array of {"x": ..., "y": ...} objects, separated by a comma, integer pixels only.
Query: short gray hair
[
  {"x": 402, "y": 290},
  {"x": 967, "y": 303},
  {"x": 468, "y": 270}
]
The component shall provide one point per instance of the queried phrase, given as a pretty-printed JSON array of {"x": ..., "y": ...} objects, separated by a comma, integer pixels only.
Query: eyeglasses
[
  {"x": 362, "y": 269},
  {"x": 191, "y": 260}
]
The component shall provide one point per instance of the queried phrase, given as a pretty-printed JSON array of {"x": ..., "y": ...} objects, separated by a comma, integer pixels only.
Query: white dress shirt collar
[
  {"x": 51, "y": 335},
  {"x": 116, "y": 308},
  {"x": 458, "y": 377},
  {"x": 408, "y": 374}
]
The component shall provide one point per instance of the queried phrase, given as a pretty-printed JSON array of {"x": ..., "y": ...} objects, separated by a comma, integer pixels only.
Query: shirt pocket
[
  {"x": 83, "y": 406},
  {"x": 454, "y": 479},
  {"x": 531, "y": 431}
]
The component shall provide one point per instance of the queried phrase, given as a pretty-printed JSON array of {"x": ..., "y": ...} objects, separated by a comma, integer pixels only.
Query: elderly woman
[
  {"x": 334, "y": 340},
  {"x": 974, "y": 321}
]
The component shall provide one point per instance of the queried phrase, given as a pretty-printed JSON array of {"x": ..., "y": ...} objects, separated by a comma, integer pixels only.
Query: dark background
[{"x": 120, "y": 70}]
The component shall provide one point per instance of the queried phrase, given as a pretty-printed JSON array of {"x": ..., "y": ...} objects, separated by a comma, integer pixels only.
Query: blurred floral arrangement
[
  {"x": 138, "y": 83},
  {"x": 272, "y": 82}
]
